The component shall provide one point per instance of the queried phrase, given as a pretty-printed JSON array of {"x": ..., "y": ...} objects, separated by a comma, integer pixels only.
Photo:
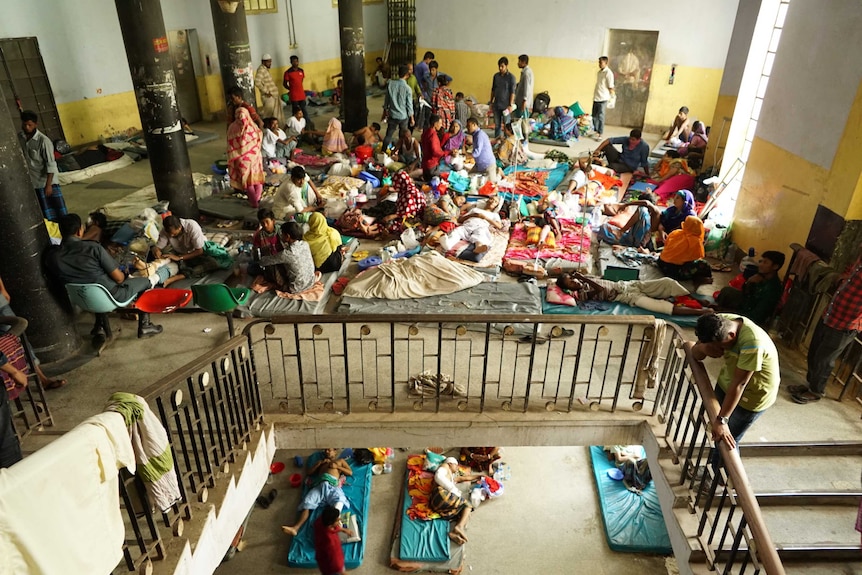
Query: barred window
[{"x": 260, "y": 6}]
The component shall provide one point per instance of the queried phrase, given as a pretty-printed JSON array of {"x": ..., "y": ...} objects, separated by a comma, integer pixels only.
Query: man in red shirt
[
  {"x": 327, "y": 543},
  {"x": 838, "y": 327},
  {"x": 293, "y": 78}
]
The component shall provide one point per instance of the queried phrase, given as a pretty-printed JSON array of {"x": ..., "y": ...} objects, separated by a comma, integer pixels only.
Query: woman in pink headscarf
[
  {"x": 244, "y": 157},
  {"x": 333, "y": 140}
]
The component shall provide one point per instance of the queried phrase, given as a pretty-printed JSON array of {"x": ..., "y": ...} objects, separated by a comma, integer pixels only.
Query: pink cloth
[
  {"x": 311, "y": 160},
  {"x": 673, "y": 184},
  {"x": 573, "y": 246}
]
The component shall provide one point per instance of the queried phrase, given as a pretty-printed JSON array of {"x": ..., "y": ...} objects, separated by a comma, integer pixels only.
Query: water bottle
[
  {"x": 596, "y": 218},
  {"x": 748, "y": 260}
]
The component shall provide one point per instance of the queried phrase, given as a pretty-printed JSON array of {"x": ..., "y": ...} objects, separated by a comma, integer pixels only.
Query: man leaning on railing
[{"x": 749, "y": 379}]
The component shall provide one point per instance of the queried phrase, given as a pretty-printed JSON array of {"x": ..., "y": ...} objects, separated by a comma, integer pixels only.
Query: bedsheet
[
  {"x": 574, "y": 246},
  {"x": 357, "y": 488},
  {"x": 535, "y": 182},
  {"x": 493, "y": 258},
  {"x": 633, "y": 522},
  {"x": 64, "y": 178}
]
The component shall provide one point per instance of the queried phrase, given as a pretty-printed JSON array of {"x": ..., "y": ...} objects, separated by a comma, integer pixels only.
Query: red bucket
[{"x": 296, "y": 480}]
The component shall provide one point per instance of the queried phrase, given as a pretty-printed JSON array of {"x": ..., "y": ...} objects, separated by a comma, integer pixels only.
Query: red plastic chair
[{"x": 163, "y": 300}]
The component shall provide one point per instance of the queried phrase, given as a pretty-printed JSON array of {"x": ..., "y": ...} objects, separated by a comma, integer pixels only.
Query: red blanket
[{"x": 574, "y": 246}]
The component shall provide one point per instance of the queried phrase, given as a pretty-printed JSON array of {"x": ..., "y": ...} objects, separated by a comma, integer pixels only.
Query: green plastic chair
[
  {"x": 220, "y": 299},
  {"x": 96, "y": 299}
]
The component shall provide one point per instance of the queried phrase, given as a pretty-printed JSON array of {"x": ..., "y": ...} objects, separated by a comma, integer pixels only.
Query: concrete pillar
[
  {"x": 155, "y": 91},
  {"x": 352, "y": 63},
  {"x": 234, "y": 51},
  {"x": 24, "y": 239}
]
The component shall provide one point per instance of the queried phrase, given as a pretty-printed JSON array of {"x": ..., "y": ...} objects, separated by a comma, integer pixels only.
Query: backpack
[{"x": 541, "y": 103}]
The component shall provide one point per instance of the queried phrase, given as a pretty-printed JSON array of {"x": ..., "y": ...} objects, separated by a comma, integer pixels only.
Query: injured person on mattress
[
  {"x": 652, "y": 295},
  {"x": 326, "y": 476},
  {"x": 449, "y": 501}
]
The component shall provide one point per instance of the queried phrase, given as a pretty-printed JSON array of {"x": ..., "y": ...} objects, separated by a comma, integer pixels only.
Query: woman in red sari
[{"x": 244, "y": 156}]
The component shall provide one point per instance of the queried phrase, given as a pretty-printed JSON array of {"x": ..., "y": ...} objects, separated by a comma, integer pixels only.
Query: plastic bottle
[
  {"x": 749, "y": 260},
  {"x": 596, "y": 218}
]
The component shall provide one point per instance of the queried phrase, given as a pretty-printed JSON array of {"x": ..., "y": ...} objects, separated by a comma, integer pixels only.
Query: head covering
[
  {"x": 450, "y": 460},
  {"x": 333, "y": 140},
  {"x": 685, "y": 244},
  {"x": 411, "y": 201},
  {"x": 244, "y": 160},
  {"x": 265, "y": 57},
  {"x": 672, "y": 218},
  {"x": 455, "y": 141},
  {"x": 320, "y": 238},
  {"x": 562, "y": 125},
  {"x": 576, "y": 109}
]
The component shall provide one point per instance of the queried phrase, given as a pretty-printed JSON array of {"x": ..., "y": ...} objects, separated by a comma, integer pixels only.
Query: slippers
[
  {"x": 796, "y": 389},
  {"x": 806, "y": 397},
  {"x": 339, "y": 285},
  {"x": 55, "y": 383},
  {"x": 529, "y": 339},
  {"x": 721, "y": 268},
  {"x": 266, "y": 501}
]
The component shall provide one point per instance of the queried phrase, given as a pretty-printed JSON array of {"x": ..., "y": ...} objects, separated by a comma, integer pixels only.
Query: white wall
[
  {"x": 82, "y": 46},
  {"x": 740, "y": 44},
  {"x": 694, "y": 33},
  {"x": 814, "y": 79}
]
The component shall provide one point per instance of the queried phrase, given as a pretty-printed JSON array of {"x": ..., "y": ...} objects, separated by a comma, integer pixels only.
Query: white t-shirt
[
  {"x": 604, "y": 85},
  {"x": 294, "y": 126},
  {"x": 270, "y": 139},
  {"x": 290, "y": 199}
]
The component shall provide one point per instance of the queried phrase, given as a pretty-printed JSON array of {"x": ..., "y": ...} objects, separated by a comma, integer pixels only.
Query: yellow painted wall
[
  {"x": 781, "y": 191},
  {"x": 569, "y": 80},
  {"x": 84, "y": 121},
  {"x": 724, "y": 107}
]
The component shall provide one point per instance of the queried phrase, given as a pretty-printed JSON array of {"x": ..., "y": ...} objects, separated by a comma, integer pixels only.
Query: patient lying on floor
[
  {"x": 651, "y": 295},
  {"x": 326, "y": 476}
]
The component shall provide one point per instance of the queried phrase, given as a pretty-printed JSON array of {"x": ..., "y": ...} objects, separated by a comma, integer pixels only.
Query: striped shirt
[{"x": 845, "y": 310}]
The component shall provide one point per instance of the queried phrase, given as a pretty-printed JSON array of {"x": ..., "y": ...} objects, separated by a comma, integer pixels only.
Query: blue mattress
[
  {"x": 357, "y": 488},
  {"x": 615, "y": 309},
  {"x": 633, "y": 522},
  {"x": 424, "y": 541}
]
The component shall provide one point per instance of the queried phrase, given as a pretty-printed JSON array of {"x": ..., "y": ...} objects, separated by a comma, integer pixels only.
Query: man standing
[
  {"x": 502, "y": 95},
  {"x": 39, "y": 152},
  {"x": 235, "y": 100},
  {"x": 838, "y": 327},
  {"x": 524, "y": 90},
  {"x": 293, "y": 78},
  {"x": 749, "y": 379},
  {"x": 603, "y": 92},
  {"x": 423, "y": 75},
  {"x": 398, "y": 106},
  {"x": 270, "y": 102}
]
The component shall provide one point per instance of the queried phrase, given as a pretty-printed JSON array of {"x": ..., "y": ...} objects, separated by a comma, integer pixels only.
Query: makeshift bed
[
  {"x": 418, "y": 544},
  {"x": 572, "y": 251},
  {"x": 612, "y": 308},
  {"x": 64, "y": 178},
  {"x": 484, "y": 298},
  {"x": 549, "y": 142},
  {"x": 633, "y": 521},
  {"x": 357, "y": 488},
  {"x": 493, "y": 258}
]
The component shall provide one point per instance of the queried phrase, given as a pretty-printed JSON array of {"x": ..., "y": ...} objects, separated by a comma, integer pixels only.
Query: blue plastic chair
[
  {"x": 96, "y": 298},
  {"x": 220, "y": 299}
]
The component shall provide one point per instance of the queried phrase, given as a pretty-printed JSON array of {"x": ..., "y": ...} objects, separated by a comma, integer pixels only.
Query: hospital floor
[{"x": 526, "y": 531}]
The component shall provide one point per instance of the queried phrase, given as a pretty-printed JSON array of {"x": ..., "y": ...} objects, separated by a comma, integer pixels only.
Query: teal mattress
[
  {"x": 615, "y": 309},
  {"x": 422, "y": 541},
  {"x": 555, "y": 175},
  {"x": 633, "y": 522},
  {"x": 358, "y": 491}
]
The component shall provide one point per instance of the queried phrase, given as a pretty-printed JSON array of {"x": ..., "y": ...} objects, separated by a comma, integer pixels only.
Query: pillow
[
  {"x": 432, "y": 461},
  {"x": 558, "y": 296}
]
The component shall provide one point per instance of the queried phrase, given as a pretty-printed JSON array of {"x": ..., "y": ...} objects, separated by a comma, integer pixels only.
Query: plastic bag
[
  {"x": 408, "y": 238},
  {"x": 612, "y": 103}
]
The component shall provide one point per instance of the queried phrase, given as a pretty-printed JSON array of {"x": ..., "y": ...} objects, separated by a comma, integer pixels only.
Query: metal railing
[
  {"x": 468, "y": 363},
  {"x": 30, "y": 411},
  {"x": 210, "y": 409}
]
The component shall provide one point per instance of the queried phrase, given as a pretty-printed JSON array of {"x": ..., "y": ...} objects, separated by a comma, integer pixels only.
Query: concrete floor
[{"x": 520, "y": 533}]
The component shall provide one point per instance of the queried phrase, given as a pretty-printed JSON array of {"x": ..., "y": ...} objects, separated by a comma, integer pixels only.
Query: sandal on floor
[
  {"x": 266, "y": 501},
  {"x": 723, "y": 268},
  {"x": 529, "y": 339},
  {"x": 806, "y": 397},
  {"x": 796, "y": 389},
  {"x": 55, "y": 383}
]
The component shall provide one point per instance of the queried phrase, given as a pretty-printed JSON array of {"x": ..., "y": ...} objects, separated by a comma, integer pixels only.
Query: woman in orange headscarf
[
  {"x": 682, "y": 257},
  {"x": 244, "y": 157}
]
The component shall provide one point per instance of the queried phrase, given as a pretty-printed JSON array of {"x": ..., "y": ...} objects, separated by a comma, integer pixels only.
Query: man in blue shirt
[
  {"x": 502, "y": 95},
  {"x": 634, "y": 155},
  {"x": 483, "y": 153},
  {"x": 398, "y": 106},
  {"x": 423, "y": 75}
]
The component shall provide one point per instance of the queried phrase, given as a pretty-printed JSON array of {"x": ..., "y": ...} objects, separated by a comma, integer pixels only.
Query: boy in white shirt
[
  {"x": 276, "y": 144},
  {"x": 296, "y": 125}
]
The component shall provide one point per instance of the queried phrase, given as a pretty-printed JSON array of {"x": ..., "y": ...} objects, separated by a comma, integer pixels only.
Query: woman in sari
[
  {"x": 563, "y": 126},
  {"x": 324, "y": 243},
  {"x": 410, "y": 204},
  {"x": 244, "y": 159},
  {"x": 454, "y": 140},
  {"x": 333, "y": 140},
  {"x": 682, "y": 257},
  {"x": 695, "y": 148},
  {"x": 672, "y": 218},
  {"x": 672, "y": 174}
]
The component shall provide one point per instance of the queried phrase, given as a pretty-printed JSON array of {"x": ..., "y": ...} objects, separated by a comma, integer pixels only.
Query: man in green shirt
[
  {"x": 760, "y": 294},
  {"x": 748, "y": 383}
]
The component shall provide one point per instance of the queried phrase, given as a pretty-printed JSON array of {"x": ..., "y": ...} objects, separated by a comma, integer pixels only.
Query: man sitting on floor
[
  {"x": 83, "y": 262},
  {"x": 759, "y": 295},
  {"x": 634, "y": 155},
  {"x": 186, "y": 239},
  {"x": 291, "y": 269},
  {"x": 651, "y": 295},
  {"x": 325, "y": 476}
]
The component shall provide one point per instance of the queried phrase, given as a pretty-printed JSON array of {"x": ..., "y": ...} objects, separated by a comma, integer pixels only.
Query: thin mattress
[
  {"x": 357, "y": 488},
  {"x": 633, "y": 522},
  {"x": 614, "y": 308}
]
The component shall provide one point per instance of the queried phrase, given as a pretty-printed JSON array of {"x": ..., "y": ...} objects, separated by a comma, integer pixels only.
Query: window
[{"x": 260, "y": 6}]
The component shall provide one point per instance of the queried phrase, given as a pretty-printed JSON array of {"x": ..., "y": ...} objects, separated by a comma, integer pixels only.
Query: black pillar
[
  {"x": 234, "y": 51},
  {"x": 24, "y": 239},
  {"x": 352, "y": 64}
]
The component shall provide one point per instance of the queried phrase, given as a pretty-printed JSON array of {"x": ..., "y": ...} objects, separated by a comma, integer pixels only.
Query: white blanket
[
  {"x": 60, "y": 507},
  {"x": 422, "y": 275}
]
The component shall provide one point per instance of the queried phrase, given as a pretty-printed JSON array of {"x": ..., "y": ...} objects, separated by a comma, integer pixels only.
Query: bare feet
[
  {"x": 289, "y": 530},
  {"x": 460, "y": 532},
  {"x": 480, "y": 249},
  {"x": 457, "y": 538}
]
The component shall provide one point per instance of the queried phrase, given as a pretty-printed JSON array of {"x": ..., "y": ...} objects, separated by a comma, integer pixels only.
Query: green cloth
[
  {"x": 156, "y": 466},
  {"x": 127, "y": 405},
  {"x": 219, "y": 254},
  {"x": 752, "y": 351}
]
